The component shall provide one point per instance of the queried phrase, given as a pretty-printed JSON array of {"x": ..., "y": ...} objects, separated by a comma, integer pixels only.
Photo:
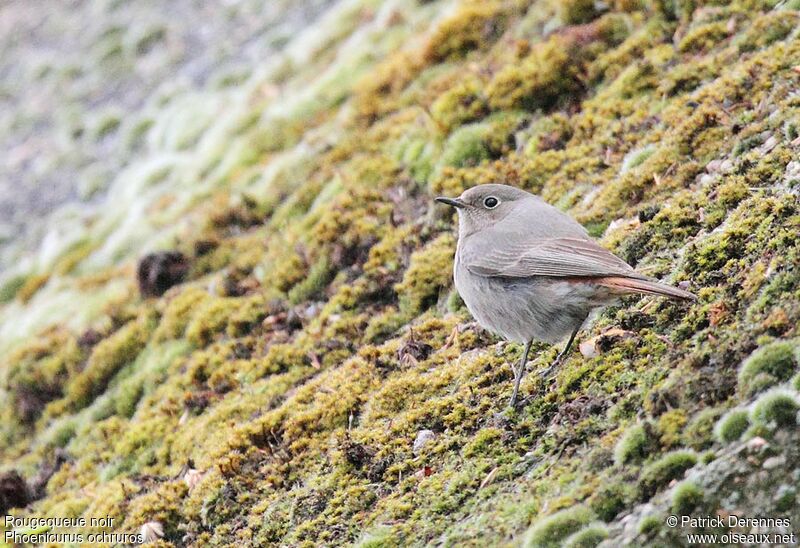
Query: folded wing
[{"x": 556, "y": 257}]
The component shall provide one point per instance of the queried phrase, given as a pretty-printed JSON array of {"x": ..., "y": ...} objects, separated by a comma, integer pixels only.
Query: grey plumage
[{"x": 529, "y": 272}]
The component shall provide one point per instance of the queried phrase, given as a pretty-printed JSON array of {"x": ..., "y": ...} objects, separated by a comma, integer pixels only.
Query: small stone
[
  {"x": 774, "y": 462},
  {"x": 757, "y": 444},
  {"x": 792, "y": 171},
  {"x": 192, "y": 477},
  {"x": 588, "y": 348},
  {"x": 152, "y": 531},
  {"x": 603, "y": 342},
  {"x": 768, "y": 145},
  {"x": 706, "y": 179},
  {"x": 424, "y": 437},
  {"x": 713, "y": 166},
  {"x": 726, "y": 166}
]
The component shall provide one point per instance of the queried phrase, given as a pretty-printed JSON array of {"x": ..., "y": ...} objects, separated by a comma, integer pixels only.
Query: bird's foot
[
  {"x": 550, "y": 369},
  {"x": 546, "y": 374},
  {"x": 453, "y": 337}
]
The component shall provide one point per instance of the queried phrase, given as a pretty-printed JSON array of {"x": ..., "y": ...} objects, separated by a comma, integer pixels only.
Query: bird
[{"x": 529, "y": 272}]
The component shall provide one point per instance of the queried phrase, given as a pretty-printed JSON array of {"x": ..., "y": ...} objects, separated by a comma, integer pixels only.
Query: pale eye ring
[{"x": 490, "y": 202}]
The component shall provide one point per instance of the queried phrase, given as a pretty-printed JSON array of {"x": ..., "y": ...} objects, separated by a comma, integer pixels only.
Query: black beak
[{"x": 455, "y": 202}]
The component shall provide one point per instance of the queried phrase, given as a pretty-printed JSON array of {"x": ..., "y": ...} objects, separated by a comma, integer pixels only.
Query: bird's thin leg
[
  {"x": 562, "y": 354},
  {"x": 519, "y": 372}
]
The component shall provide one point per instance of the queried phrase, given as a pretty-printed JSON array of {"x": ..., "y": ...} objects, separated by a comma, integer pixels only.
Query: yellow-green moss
[
  {"x": 429, "y": 272},
  {"x": 210, "y": 318},
  {"x": 31, "y": 285},
  {"x": 670, "y": 426},
  {"x": 178, "y": 312},
  {"x": 475, "y": 25},
  {"x": 463, "y": 103},
  {"x": 766, "y": 29},
  {"x": 537, "y": 81},
  {"x": 107, "y": 358},
  {"x": 704, "y": 37}
]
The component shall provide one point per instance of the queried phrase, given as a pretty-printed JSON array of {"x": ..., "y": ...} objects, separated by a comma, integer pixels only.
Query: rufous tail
[{"x": 633, "y": 285}]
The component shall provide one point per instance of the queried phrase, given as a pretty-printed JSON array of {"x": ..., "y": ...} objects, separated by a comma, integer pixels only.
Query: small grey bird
[{"x": 529, "y": 272}]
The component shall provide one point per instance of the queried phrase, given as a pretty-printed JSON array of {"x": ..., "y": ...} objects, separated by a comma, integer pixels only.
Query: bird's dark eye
[{"x": 490, "y": 202}]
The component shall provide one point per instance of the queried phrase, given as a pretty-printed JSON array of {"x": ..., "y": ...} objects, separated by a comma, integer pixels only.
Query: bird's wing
[{"x": 556, "y": 257}]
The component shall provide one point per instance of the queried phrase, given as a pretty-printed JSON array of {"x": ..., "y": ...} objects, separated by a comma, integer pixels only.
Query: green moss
[
  {"x": 635, "y": 444},
  {"x": 699, "y": 433},
  {"x": 588, "y": 537},
  {"x": 485, "y": 441},
  {"x": 659, "y": 473},
  {"x": 378, "y": 537},
  {"x": 10, "y": 286},
  {"x": 636, "y": 157},
  {"x": 466, "y": 146},
  {"x": 418, "y": 155},
  {"x": 31, "y": 285},
  {"x": 769, "y": 365},
  {"x": 106, "y": 125},
  {"x": 178, "y": 312},
  {"x": 141, "y": 377},
  {"x": 609, "y": 500},
  {"x": 454, "y": 302},
  {"x": 148, "y": 38},
  {"x": 384, "y": 325},
  {"x": 471, "y": 144},
  {"x": 777, "y": 408},
  {"x": 650, "y": 525},
  {"x": 687, "y": 497},
  {"x": 554, "y": 529}
]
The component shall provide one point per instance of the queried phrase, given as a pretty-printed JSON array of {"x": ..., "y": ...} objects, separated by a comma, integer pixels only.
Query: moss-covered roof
[{"x": 274, "y": 397}]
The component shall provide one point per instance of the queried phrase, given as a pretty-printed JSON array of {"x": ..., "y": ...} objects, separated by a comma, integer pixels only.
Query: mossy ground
[{"x": 274, "y": 397}]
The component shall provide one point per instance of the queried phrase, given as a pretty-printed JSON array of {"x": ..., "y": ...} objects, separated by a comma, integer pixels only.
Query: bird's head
[{"x": 484, "y": 206}]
